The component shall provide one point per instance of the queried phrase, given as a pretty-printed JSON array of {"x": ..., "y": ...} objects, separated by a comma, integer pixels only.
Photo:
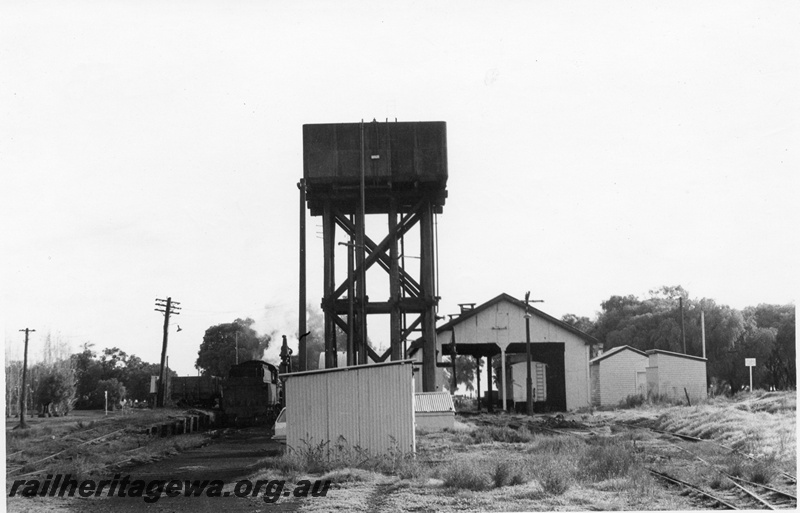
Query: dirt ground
[
  {"x": 230, "y": 457},
  {"x": 762, "y": 426}
]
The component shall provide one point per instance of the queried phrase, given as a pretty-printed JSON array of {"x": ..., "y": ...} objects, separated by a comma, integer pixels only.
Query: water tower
[{"x": 392, "y": 169}]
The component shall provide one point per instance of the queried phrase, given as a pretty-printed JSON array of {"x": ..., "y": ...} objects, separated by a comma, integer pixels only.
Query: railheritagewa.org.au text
[{"x": 59, "y": 485}]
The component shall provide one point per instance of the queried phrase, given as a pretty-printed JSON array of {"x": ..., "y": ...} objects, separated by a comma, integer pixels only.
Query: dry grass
[
  {"x": 31, "y": 450},
  {"x": 453, "y": 472},
  {"x": 324, "y": 457},
  {"x": 761, "y": 424},
  {"x": 505, "y": 434},
  {"x": 495, "y": 466}
]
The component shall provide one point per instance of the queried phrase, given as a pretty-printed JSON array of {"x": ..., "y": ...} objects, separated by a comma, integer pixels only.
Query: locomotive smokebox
[{"x": 399, "y": 160}]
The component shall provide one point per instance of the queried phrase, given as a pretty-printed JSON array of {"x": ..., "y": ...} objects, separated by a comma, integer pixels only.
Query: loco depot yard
[
  {"x": 347, "y": 313},
  {"x": 720, "y": 454}
]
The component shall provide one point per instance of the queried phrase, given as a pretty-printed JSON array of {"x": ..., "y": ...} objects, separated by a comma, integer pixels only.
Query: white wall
[
  {"x": 674, "y": 373},
  {"x": 504, "y": 323},
  {"x": 618, "y": 376}
]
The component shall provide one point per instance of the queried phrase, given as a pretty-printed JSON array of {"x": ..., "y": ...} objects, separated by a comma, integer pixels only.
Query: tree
[
  {"x": 87, "y": 373},
  {"x": 775, "y": 324},
  {"x": 466, "y": 369},
  {"x": 218, "y": 352},
  {"x": 115, "y": 389},
  {"x": 584, "y": 324},
  {"x": 127, "y": 369},
  {"x": 55, "y": 391},
  {"x": 55, "y": 377},
  {"x": 782, "y": 361},
  {"x": 653, "y": 323}
]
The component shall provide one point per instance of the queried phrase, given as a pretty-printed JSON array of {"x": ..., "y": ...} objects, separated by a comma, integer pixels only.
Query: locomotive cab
[{"x": 250, "y": 394}]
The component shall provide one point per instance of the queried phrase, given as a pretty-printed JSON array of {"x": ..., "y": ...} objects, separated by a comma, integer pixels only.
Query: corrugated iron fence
[{"x": 368, "y": 406}]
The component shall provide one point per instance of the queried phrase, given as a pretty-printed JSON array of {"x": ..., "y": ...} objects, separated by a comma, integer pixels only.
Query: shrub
[
  {"x": 508, "y": 473},
  {"x": 554, "y": 478},
  {"x": 466, "y": 475},
  {"x": 606, "y": 460},
  {"x": 762, "y": 471},
  {"x": 632, "y": 401},
  {"x": 736, "y": 466}
]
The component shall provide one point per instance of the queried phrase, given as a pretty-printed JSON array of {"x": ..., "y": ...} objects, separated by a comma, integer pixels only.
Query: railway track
[
  {"x": 698, "y": 494},
  {"x": 733, "y": 492},
  {"x": 18, "y": 466},
  {"x": 679, "y": 466}
]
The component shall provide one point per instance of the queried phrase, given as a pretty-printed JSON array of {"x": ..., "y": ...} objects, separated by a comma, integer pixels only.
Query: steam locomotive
[{"x": 251, "y": 394}]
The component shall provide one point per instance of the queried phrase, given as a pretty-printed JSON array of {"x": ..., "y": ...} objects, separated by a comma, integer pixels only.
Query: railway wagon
[
  {"x": 250, "y": 394},
  {"x": 196, "y": 391}
]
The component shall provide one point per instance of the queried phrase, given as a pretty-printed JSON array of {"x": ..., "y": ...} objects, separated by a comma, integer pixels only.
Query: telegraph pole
[
  {"x": 529, "y": 381},
  {"x": 22, "y": 424},
  {"x": 167, "y": 307},
  {"x": 683, "y": 333},
  {"x": 301, "y": 322}
]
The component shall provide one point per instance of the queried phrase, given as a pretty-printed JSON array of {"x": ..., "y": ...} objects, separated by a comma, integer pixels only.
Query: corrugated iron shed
[
  {"x": 368, "y": 406},
  {"x": 428, "y": 402},
  {"x": 434, "y": 411}
]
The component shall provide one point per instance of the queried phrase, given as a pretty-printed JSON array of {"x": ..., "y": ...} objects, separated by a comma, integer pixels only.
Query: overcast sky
[{"x": 151, "y": 149}]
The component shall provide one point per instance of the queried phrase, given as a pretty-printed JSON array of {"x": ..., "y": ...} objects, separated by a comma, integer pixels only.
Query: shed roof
[
  {"x": 679, "y": 355},
  {"x": 428, "y": 402},
  {"x": 521, "y": 304},
  {"x": 616, "y": 350},
  {"x": 347, "y": 369}
]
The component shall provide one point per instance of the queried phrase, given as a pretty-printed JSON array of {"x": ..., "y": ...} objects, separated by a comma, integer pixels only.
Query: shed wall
[
  {"x": 676, "y": 373},
  {"x": 369, "y": 406},
  {"x": 594, "y": 377},
  {"x": 618, "y": 376}
]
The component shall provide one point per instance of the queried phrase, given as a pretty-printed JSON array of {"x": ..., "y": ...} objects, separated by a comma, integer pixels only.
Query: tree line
[
  {"x": 62, "y": 382},
  {"x": 765, "y": 332}
]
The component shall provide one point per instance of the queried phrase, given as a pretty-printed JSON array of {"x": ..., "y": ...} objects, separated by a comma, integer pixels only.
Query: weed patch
[
  {"x": 633, "y": 401},
  {"x": 323, "y": 457},
  {"x": 607, "y": 460},
  {"x": 503, "y": 434},
  {"x": 554, "y": 478},
  {"x": 508, "y": 473},
  {"x": 468, "y": 475}
]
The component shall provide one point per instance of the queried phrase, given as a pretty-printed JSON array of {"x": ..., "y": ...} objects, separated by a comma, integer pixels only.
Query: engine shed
[{"x": 496, "y": 330}]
